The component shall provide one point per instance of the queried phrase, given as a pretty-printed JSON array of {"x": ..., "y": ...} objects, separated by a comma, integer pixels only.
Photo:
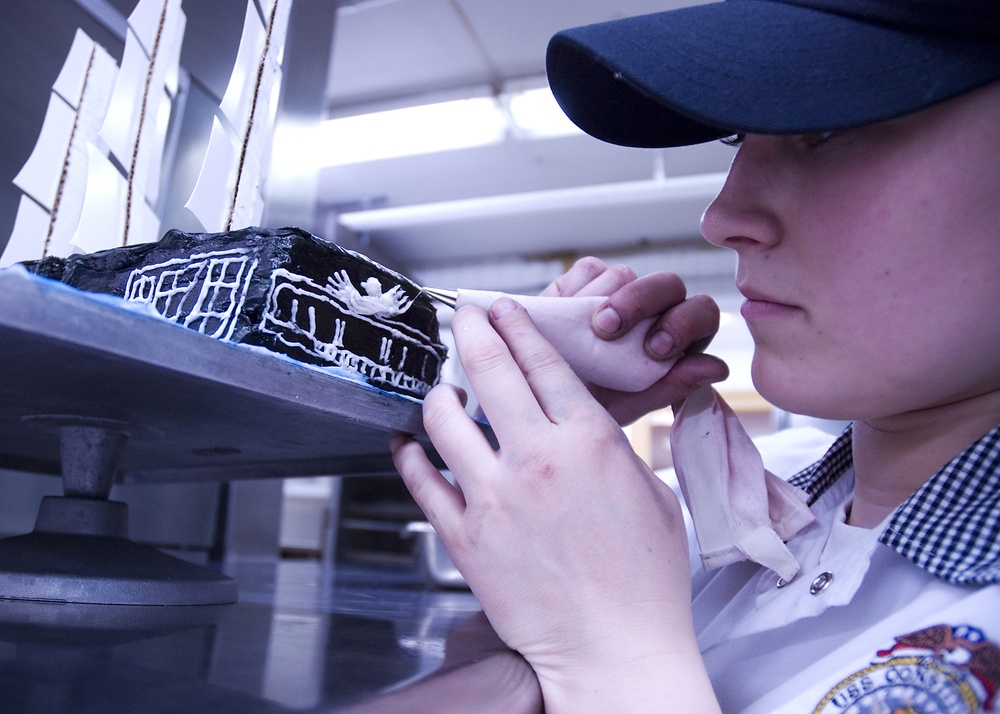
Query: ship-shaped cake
[
  {"x": 285, "y": 290},
  {"x": 87, "y": 216}
]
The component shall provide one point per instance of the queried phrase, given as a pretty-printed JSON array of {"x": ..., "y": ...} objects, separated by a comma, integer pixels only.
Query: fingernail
[
  {"x": 660, "y": 344},
  {"x": 502, "y": 307},
  {"x": 608, "y": 320}
]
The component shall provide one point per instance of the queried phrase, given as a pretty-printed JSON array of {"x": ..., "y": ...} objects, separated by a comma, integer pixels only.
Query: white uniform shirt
[{"x": 903, "y": 617}]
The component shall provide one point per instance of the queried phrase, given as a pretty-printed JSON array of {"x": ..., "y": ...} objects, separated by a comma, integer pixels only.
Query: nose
[{"x": 743, "y": 213}]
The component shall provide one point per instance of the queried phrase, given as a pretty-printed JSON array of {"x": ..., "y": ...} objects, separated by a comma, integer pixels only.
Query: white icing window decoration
[
  {"x": 374, "y": 302},
  {"x": 209, "y": 287}
]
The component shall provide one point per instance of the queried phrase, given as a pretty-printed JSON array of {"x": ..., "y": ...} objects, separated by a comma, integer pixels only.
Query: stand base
[{"x": 56, "y": 563}]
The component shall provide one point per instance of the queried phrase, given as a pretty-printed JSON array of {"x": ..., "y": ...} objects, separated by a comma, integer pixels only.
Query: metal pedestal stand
[{"x": 79, "y": 551}]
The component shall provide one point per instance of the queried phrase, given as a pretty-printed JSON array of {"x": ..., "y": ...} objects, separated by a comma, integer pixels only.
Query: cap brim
[{"x": 704, "y": 72}]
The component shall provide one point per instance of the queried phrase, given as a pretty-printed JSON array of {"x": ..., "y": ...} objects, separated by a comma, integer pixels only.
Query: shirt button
[{"x": 821, "y": 582}]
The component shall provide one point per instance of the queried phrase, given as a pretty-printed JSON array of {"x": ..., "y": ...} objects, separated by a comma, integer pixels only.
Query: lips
[
  {"x": 761, "y": 305},
  {"x": 752, "y": 293}
]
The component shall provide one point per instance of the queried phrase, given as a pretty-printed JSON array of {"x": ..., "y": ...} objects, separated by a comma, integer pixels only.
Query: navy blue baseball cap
[{"x": 704, "y": 72}]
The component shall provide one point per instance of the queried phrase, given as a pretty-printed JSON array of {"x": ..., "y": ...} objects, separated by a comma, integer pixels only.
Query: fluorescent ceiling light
[
  {"x": 444, "y": 126},
  {"x": 536, "y": 114}
]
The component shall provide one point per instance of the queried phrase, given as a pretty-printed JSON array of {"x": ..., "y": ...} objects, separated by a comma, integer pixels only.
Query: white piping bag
[{"x": 565, "y": 322}]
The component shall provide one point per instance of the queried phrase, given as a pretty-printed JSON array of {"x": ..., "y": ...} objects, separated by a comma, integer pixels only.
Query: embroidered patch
[{"x": 937, "y": 670}]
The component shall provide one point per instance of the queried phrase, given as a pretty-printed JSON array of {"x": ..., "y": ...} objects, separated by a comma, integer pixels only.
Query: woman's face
[{"x": 870, "y": 260}]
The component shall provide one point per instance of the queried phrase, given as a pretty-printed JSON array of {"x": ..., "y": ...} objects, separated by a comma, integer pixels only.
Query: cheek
[
  {"x": 905, "y": 338},
  {"x": 895, "y": 247},
  {"x": 875, "y": 330}
]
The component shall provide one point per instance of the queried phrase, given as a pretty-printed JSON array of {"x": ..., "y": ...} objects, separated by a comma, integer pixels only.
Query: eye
[
  {"x": 816, "y": 139},
  {"x": 734, "y": 140}
]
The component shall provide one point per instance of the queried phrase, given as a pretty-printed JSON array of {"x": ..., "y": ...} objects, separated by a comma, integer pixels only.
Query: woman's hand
[
  {"x": 479, "y": 674},
  {"x": 686, "y": 326},
  {"x": 576, "y": 551}
]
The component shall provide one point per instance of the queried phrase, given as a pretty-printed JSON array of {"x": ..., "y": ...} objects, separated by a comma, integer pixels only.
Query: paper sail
[
  {"x": 55, "y": 174},
  {"x": 103, "y": 226},
  {"x": 30, "y": 228},
  {"x": 230, "y": 189},
  {"x": 135, "y": 129},
  {"x": 209, "y": 201},
  {"x": 161, "y": 33},
  {"x": 42, "y": 172}
]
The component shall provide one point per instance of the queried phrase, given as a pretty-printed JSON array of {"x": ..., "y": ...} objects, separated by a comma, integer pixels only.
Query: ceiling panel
[
  {"x": 515, "y": 34},
  {"x": 399, "y": 52},
  {"x": 386, "y": 50},
  {"x": 391, "y": 49}
]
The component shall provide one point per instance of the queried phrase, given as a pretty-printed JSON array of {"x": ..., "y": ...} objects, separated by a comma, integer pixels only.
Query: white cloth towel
[{"x": 739, "y": 509}]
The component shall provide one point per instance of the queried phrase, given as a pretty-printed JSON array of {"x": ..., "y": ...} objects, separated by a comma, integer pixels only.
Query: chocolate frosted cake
[{"x": 285, "y": 290}]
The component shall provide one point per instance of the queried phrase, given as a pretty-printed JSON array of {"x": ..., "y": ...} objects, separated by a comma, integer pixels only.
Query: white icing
[
  {"x": 216, "y": 282},
  {"x": 374, "y": 301},
  {"x": 211, "y": 288},
  {"x": 280, "y": 321},
  {"x": 330, "y": 370}
]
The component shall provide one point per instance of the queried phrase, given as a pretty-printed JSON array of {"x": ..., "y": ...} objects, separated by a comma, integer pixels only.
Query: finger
[
  {"x": 441, "y": 502},
  {"x": 458, "y": 440},
  {"x": 685, "y": 329},
  {"x": 552, "y": 381},
  {"x": 687, "y": 375},
  {"x": 608, "y": 282},
  {"x": 496, "y": 379},
  {"x": 569, "y": 283},
  {"x": 636, "y": 301}
]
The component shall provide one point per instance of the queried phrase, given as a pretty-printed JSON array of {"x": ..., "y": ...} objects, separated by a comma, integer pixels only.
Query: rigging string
[
  {"x": 142, "y": 119},
  {"x": 253, "y": 110},
  {"x": 53, "y": 214}
]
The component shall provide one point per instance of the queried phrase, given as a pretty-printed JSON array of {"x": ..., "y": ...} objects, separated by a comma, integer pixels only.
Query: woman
[{"x": 862, "y": 205}]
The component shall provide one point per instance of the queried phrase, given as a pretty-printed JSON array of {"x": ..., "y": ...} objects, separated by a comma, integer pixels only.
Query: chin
[{"x": 802, "y": 396}]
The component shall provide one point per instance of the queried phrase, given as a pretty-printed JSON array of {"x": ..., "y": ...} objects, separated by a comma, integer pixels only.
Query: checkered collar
[{"x": 951, "y": 525}]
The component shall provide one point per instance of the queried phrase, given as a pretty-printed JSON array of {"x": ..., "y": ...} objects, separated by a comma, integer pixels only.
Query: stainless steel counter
[{"x": 302, "y": 638}]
